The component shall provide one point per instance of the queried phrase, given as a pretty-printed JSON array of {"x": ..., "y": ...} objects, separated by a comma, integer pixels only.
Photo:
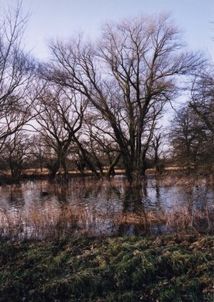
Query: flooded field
[{"x": 43, "y": 209}]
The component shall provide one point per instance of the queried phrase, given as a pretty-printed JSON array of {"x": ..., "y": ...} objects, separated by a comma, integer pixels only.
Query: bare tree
[
  {"x": 188, "y": 138},
  {"x": 156, "y": 145},
  {"x": 66, "y": 108},
  {"x": 60, "y": 114},
  {"x": 37, "y": 152},
  {"x": 55, "y": 137},
  {"x": 127, "y": 79},
  {"x": 16, "y": 75},
  {"x": 15, "y": 153},
  {"x": 101, "y": 144},
  {"x": 202, "y": 99}
]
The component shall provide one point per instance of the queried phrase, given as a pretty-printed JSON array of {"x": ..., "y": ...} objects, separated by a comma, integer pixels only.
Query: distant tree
[
  {"x": 15, "y": 153},
  {"x": 188, "y": 138},
  {"x": 156, "y": 150},
  {"x": 202, "y": 99},
  {"x": 37, "y": 152},
  {"x": 202, "y": 103}
]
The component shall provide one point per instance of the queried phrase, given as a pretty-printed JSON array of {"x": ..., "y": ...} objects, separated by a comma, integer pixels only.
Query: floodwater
[{"x": 43, "y": 209}]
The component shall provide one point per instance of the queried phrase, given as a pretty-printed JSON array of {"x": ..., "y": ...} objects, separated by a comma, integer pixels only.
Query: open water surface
[{"x": 42, "y": 209}]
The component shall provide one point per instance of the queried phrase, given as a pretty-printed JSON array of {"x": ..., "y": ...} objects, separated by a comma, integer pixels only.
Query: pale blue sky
[{"x": 63, "y": 18}]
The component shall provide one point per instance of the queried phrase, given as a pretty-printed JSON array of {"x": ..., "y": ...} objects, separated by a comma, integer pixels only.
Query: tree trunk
[
  {"x": 111, "y": 171},
  {"x": 53, "y": 168}
]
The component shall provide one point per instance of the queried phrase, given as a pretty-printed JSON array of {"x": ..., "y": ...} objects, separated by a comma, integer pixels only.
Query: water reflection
[
  {"x": 133, "y": 217},
  {"x": 44, "y": 209}
]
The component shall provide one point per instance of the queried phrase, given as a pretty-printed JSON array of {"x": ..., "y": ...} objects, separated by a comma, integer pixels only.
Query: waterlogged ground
[
  {"x": 140, "y": 262},
  {"x": 42, "y": 209}
]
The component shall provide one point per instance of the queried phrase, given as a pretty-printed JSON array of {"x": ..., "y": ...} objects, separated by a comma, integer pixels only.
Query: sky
[{"x": 51, "y": 19}]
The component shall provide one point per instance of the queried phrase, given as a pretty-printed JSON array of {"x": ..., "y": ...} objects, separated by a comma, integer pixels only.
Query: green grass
[{"x": 166, "y": 268}]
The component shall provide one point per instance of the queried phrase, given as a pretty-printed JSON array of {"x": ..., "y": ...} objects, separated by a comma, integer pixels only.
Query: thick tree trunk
[
  {"x": 135, "y": 169},
  {"x": 53, "y": 168}
]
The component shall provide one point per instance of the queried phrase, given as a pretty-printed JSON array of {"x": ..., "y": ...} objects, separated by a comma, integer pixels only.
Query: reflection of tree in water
[
  {"x": 16, "y": 197},
  {"x": 112, "y": 190},
  {"x": 116, "y": 207},
  {"x": 79, "y": 205},
  {"x": 102, "y": 207},
  {"x": 134, "y": 217},
  {"x": 198, "y": 206},
  {"x": 83, "y": 188},
  {"x": 159, "y": 227},
  {"x": 61, "y": 191},
  {"x": 100, "y": 202},
  {"x": 69, "y": 191},
  {"x": 194, "y": 213}
]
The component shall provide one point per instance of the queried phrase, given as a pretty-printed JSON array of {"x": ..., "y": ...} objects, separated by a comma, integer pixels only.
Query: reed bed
[{"x": 64, "y": 220}]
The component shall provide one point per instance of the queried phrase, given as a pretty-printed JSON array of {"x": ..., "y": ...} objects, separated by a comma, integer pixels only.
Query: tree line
[{"x": 100, "y": 105}]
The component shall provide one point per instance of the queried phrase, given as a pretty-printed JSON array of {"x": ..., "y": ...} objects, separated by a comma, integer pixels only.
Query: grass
[{"x": 167, "y": 268}]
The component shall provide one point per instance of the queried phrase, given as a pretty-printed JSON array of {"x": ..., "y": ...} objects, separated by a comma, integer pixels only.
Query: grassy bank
[{"x": 169, "y": 268}]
